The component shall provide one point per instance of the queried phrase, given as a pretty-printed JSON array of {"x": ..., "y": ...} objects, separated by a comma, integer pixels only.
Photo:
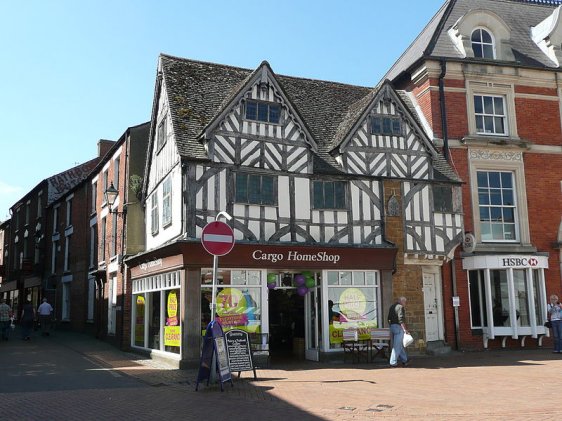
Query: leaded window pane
[
  {"x": 251, "y": 110},
  {"x": 329, "y": 195},
  {"x": 340, "y": 194},
  {"x": 386, "y": 126},
  {"x": 318, "y": 192},
  {"x": 267, "y": 190},
  {"x": 254, "y": 189},
  {"x": 262, "y": 111},
  {"x": 242, "y": 188},
  {"x": 274, "y": 113}
]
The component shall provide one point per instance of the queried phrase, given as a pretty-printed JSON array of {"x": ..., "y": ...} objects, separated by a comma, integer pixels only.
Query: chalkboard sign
[
  {"x": 214, "y": 345},
  {"x": 239, "y": 351}
]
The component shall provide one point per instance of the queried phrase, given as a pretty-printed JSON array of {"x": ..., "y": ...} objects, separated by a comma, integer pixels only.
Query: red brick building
[
  {"x": 484, "y": 78},
  {"x": 116, "y": 230}
]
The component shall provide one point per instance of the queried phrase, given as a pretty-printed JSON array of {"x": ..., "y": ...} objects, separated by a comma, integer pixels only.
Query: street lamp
[{"x": 110, "y": 195}]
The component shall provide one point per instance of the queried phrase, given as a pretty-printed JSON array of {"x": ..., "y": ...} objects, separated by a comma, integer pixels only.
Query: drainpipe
[
  {"x": 456, "y": 309},
  {"x": 443, "y": 109}
]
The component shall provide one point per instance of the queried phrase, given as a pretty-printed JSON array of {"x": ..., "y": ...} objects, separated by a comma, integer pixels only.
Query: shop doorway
[
  {"x": 286, "y": 324},
  {"x": 294, "y": 315}
]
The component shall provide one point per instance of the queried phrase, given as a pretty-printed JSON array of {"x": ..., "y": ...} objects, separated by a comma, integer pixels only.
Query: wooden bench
[
  {"x": 380, "y": 338},
  {"x": 367, "y": 349}
]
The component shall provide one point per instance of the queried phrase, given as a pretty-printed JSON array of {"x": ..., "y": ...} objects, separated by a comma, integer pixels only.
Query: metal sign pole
[{"x": 214, "y": 299}]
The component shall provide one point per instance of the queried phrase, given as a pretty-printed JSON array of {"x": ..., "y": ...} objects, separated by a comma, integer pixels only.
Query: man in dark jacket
[{"x": 397, "y": 322}]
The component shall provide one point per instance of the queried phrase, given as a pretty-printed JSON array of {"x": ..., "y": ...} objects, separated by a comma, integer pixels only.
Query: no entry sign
[{"x": 217, "y": 238}]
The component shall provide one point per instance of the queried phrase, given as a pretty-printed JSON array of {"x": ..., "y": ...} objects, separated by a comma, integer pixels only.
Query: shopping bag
[{"x": 408, "y": 340}]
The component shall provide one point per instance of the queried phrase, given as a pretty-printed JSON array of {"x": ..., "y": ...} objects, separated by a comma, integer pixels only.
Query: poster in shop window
[{"x": 172, "y": 330}]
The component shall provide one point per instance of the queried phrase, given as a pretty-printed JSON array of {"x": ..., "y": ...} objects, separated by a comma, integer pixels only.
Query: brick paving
[{"x": 490, "y": 385}]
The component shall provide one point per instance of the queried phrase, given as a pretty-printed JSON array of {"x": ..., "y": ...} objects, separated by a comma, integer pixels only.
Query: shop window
[
  {"x": 497, "y": 206},
  {"x": 353, "y": 298},
  {"x": 139, "y": 329},
  {"x": 501, "y": 282},
  {"x": 256, "y": 189},
  {"x": 238, "y": 300},
  {"x": 329, "y": 194},
  {"x": 154, "y": 321},
  {"x": 172, "y": 328}
]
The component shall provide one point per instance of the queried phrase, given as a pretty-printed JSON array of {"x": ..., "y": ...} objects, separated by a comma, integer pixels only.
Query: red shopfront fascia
[{"x": 288, "y": 257}]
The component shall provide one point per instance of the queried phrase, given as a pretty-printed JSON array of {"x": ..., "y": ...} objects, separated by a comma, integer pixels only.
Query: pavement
[{"x": 70, "y": 376}]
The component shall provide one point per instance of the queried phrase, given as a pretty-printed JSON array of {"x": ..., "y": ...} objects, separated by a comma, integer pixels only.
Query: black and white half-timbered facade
[{"x": 339, "y": 203}]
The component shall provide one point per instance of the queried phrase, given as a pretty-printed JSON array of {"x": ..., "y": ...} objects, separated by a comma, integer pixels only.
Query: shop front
[
  {"x": 507, "y": 296},
  {"x": 294, "y": 301}
]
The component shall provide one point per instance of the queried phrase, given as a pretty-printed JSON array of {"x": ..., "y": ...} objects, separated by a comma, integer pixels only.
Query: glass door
[{"x": 312, "y": 323}]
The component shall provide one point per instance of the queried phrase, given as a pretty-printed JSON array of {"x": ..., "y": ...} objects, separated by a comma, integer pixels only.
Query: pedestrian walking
[
  {"x": 397, "y": 322},
  {"x": 45, "y": 311},
  {"x": 27, "y": 318},
  {"x": 555, "y": 316},
  {"x": 5, "y": 319}
]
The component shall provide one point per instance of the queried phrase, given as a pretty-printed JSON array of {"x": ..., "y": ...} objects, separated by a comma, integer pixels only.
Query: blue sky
[{"x": 74, "y": 72}]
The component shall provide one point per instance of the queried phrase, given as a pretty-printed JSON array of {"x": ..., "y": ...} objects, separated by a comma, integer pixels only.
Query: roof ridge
[
  {"x": 407, "y": 50},
  {"x": 251, "y": 70}
]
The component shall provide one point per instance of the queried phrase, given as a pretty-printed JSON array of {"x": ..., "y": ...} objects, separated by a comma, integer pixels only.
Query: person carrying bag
[{"x": 397, "y": 323}]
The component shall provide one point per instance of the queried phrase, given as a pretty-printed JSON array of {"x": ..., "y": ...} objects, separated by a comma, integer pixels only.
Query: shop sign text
[
  {"x": 295, "y": 256},
  {"x": 520, "y": 261},
  {"x": 151, "y": 264}
]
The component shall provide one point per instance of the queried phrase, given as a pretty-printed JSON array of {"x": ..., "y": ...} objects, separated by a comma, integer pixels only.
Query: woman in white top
[{"x": 555, "y": 317}]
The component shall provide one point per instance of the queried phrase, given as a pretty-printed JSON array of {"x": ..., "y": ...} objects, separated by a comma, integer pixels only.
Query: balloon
[
  {"x": 302, "y": 290},
  {"x": 271, "y": 286},
  {"x": 299, "y": 280},
  {"x": 271, "y": 278},
  {"x": 310, "y": 282}
]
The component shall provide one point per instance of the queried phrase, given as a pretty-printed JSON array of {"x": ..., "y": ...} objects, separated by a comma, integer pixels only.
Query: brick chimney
[{"x": 104, "y": 146}]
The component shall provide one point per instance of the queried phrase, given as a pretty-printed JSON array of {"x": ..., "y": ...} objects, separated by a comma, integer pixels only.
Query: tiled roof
[
  {"x": 198, "y": 92},
  {"x": 519, "y": 16}
]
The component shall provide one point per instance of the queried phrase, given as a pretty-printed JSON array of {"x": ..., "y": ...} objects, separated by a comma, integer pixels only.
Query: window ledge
[
  {"x": 502, "y": 248},
  {"x": 483, "y": 140}
]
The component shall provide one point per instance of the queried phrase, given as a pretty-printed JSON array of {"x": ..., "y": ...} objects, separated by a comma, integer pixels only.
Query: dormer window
[
  {"x": 482, "y": 43},
  {"x": 263, "y": 111}
]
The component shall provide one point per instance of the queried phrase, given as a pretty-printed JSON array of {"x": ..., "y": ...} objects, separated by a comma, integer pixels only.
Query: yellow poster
[
  {"x": 139, "y": 321},
  {"x": 172, "y": 336},
  {"x": 172, "y": 308}
]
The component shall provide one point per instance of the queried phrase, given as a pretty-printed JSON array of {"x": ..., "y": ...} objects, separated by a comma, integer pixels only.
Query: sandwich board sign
[{"x": 214, "y": 346}]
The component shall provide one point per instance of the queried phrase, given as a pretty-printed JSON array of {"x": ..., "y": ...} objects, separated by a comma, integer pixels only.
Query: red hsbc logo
[{"x": 520, "y": 261}]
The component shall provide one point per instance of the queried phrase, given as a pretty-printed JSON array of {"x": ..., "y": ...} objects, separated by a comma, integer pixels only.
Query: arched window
[{"x": 482, "y": 43}]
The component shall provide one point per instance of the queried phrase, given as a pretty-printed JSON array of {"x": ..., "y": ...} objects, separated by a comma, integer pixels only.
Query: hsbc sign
[
  {"x": 502, "y": 261},
  {"x": 509, "y": 262}
]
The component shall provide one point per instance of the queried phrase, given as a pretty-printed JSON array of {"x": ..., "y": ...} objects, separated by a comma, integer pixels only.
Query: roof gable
[{"x": 262, "y": 85}]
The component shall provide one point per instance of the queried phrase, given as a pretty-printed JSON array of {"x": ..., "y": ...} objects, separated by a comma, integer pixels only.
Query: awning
[
  {"x": 34, "y": 281},
  {"x": 8, "y": 286}
]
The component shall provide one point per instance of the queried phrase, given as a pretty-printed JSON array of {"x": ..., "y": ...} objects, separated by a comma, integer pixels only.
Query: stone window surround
[
  {"x": 507, "y": 91},
  {"x": 461, "y": 33},
  {"x": 500, "y": 160}
]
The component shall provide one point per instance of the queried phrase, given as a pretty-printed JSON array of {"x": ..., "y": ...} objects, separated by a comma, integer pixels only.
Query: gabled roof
[
  {"x": 519, "y": 15},
  {"x": 198, "y": 93}
]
